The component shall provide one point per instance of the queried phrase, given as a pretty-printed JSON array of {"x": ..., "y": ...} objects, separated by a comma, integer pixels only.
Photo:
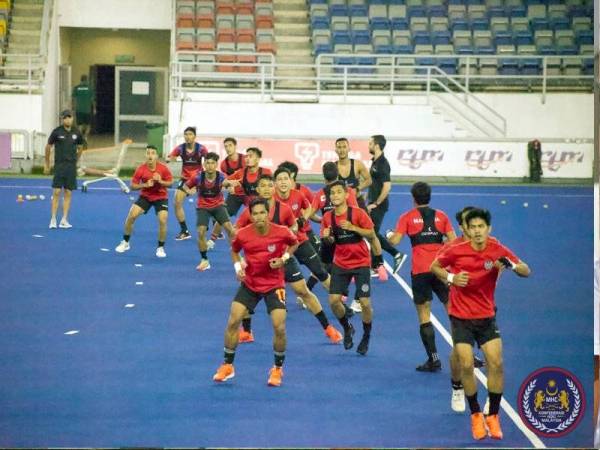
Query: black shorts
[
  {"x": 341, "y": 278},
  {"x": 82, "y": 118},
  {"x": 234, "y": 203},
  {"x": 425, "y": 284},
  {"x": 306, "y": 255},
  {"x": 159, "y": 205},
  {"x": 274, "y": 299},
  {"x": 218, "y": 213},
  {"x": 180, "y": 186},
  {"x": 65, "y": 176},
  {"x": 326, "y": 252},
  {"x": 469, "y": 331},
  {"x": 314, "y": 241},
  {"x": 292, "y": 271}
]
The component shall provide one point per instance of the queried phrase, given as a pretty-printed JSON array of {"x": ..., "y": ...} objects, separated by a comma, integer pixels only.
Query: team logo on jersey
[
  {"x": 74, "y": 136},
  {"x": 271, "y": 248},
  {"x": 295, "y": 206},
  {"x": 488, "y": 265},
  {"x": 551, "y": 402}
]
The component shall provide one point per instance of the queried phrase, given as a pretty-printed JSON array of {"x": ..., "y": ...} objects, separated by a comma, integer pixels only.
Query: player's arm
[
  {"x": 385, "y": 190},
  {"x": 277, "y": 263},
  {"x": 79, "y": 151},
  {"x": 363, "y": 175},
  {"x": 519, "y": 267},
  {"x": 138, "y": 185},
  {"x": 47, "y": 152},
  {"x": 457, "y": 279},
  {"x": 189, "y": 186},
  {"x": 394, "y": 237},
  {"x": 368, "y": 233}
]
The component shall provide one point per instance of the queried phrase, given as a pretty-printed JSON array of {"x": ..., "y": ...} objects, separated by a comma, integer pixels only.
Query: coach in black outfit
[{"x": 378, "y": 194}]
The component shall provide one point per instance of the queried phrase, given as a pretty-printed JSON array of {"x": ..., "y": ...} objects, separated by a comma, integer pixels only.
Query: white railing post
[{"x": 544, "y": 78}]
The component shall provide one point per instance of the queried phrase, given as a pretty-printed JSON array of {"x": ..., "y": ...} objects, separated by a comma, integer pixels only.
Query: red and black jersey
[
  {"x": 143, "y": 174},
  {"x": 248, "y": 182},
  {"x": 322, "y": 201},
  {"x": 210, "y": 194},
  {"x": 228, "y": 168},
  {"x": 279, "y": 213},
  {"x": 191, "y": 161},
  {"x": 351, "y": 250},
  {"x": 297, "y": 202}
]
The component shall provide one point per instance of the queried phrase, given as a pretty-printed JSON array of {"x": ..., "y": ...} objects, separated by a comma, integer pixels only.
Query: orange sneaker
[
  {"x": 334, "y": 335},
  {"x": 493, "y": 424},
  {"x": 245, "y": 337},
  {"x": 382, "y": 273},
  {"x": 275, "y": 376},
  {"x": 478, "y": 426},
  {"x": 224, "y": 373}
]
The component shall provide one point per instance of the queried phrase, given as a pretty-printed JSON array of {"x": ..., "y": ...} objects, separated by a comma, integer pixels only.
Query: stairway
[{"x": 292, "y": 36}]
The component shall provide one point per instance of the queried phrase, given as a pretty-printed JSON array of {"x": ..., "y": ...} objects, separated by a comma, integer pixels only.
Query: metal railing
[
  {"x": 20, "y": 143},
  {"x": 21, "y": 72}
]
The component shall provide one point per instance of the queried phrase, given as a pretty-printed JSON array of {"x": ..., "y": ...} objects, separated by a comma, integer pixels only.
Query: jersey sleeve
[
  {"x": 447, "y": 225},
  {"x": 166, "y": 174},
  {"x": 352, "y": 201},
  {"x": 236, "y": 244},
  {"x": 446, "y": 256},
  {"x": 362, "y": 219},
  {"x": 509, "y": 254},
  {"x": 402, "y": 224},
  {"x": 175, "y": 152},
  {"x": 137, "y": 176},
  {"x": 304, "y": 202},
  {"x": 317, "y": 203},
  {"x": 52, "y": 137},
  {"x": 290, "y": 238},
  {"x": 79, "y": 140},
  {"x": 286, "y": 215},
  {"x": 384, "y": 174},
  {"x": 243, "y": 219},
  {"x": 203, "y": 150},
  {"x": 326, "y": 222}
]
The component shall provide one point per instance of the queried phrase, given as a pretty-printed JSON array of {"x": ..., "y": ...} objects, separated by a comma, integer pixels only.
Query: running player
[
  {"x": 427, "y": 229},
  {"x": 209, "y": 184},
  {"x": 152, "y": 180},
  {"x": 191, "y": 154},
  {"x": 281, "y": 213},
  {"x": 352, "y": 171},
  {"x": 266, "y": 248},
  {"x": 347, "y": 227},
  {"x": 475, "y": 266}
]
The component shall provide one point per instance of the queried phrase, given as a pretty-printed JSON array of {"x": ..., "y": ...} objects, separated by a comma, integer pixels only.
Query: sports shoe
[
  {"x": 349, "y": 311},
  {"x": 52, "y": 223},
  {"x": 64, "y": 224},
  {"x": 122, "y": 247},
  {"x": 81, "y": 171},
  {"x": 355, "y": 306},
  {"x": 363, "y": 346},
  {"x": 348, "y": 343},
  {"x": 430, "y": 366},
  {"x": 210, "y": 244},
  {"x": 204, "y": 265},
  {"x": 160, "y": 252},
  {"x": 300, "y": 303},
  {"x": 486, "y": 407},
  {"x": 182, "y": 236},
  {"x": 333, "y": 334},
  {"x": 245, "y": 337},
  {"x": 275, "y": 376},
  {"x": 493, "y": 425},
  {"x": 382, "y": 273},
  {"x": 478, "y": 362},
  {"x": 478, "y": 426},
  {"x": 374, "y": 273},
  {"x": 398, "y": 261},
  {"x": 224, "y": 373},
  {"x": 458, "y": 400}
]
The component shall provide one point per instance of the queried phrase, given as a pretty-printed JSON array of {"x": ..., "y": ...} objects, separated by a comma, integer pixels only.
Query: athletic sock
[
  {"x": 456, "y": 385},
  {"x": 213, "y": 236},
  {"x": 428, "y": 339},
  {"x": 203, "y": 254},
  {"x": 312, "y": 282},
  {"x": 247, "y": 325},
  {"x": 161, "y": 243},
  {"x": 495, "y": 402},
  {"x": 473, "y": 403},
  {"x": 322, "y": 318},
  {"x": 126, "y": 237},
  {"x": 344, "y": 322},
  {"x": 183, "y": 226},
  {"x": 229, "y": 355},
  {"x": 279, "y": 358},
  {"x": 367, "y": 328}
]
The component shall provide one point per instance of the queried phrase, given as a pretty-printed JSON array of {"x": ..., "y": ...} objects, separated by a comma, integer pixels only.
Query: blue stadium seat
[
  {"x": 359, "y": 10},
  {"x": 341, "y": 37},
  {"x": 361, "y": 37},
  {"x": 584, "y": 37},
  {"x": 338, "y": 10}
]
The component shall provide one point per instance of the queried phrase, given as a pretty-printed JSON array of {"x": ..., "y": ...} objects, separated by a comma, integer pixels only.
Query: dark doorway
[{"x": 102, "y": 78}]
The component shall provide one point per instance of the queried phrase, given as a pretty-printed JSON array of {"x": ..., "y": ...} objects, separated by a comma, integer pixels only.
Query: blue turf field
[{"x": 141, "y": 376}]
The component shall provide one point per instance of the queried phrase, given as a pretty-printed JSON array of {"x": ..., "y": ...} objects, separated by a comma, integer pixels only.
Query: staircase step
[
  {"x": 292, "y": 52},
  {"x": 15, "y": 31},
  {"x": 293, "y": 46},
  {"x": 292, "y": 29},
  {"x": 296, "y": 6},
  {"x": 28, "y": 9},
  {"x": 293, "y": 39},
  {"x": 295, "y": 59}
]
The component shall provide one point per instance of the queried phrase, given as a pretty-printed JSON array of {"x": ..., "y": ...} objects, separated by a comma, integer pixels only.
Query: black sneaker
[
  {"x": 363, "y": 346},
  {"x": 348, "y": 343},
  {"x": 430, "y": 366},
  {"x": 398, "y": 261},
  {"x": 182, "y": 236},
  {"x": 349, "y": 311},
  {"x": 478, "y": 362}
]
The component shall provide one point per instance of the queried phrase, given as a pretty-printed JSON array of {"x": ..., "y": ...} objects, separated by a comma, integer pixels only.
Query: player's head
[
  {"x": 283, "y": 180},
  {"x": 330, "y": 172},
  {"x": 421, "y": 193},
  {"x": 460, "y": 219},
  {"x": 292, "y": 167},
  {"x": 259, "y": 211},
  {"x": 265, "y": 186},
  {"x": 210, "y": 162},
  {"x": 151, "y": 153},
  {"x": 230, "y": 145},
  {"x": 67, "y": 118},
  {"x": 84, "y": 79},
  {"x": 338, "y": 193},
  {"x": 479, "y": 224},
  {"x": 342, "y": 147},
  {"x": 189, "y": 135},
  {"x": 377, "y": 142},
  {"x": 253, "y": 155}
]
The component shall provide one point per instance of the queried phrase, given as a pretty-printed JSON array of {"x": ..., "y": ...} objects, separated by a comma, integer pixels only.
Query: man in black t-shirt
[
  {"x": 378, "y": 194},
  {"x": 67, "y": 142}
]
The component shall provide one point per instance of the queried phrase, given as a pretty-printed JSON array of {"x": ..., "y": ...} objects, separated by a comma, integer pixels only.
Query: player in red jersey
[
  {"x": 474, "y": 269},
  {"x": 427, "y": 229},
  {"x": 349, "y": 227},
  {"x": 281, "y": 213},
  {"x": 209, "y": 183},
  {"x": 266, "y": 248},
  {"x": 191, "y": 154},
  {"x": 151, "y": 178}
]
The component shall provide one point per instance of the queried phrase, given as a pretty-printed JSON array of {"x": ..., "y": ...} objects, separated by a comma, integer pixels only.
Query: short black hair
[
  {"x": 379, "y": 139},
  {"x": 341, "y": 139},
  {"x": 258, "y": 201},
  {"x": 478, "y": 213},
  {"x": 459, "y": 215},
  {"x": 264, "y": 176},
  {"x": 255, "y": 150},
  {"x": 212, "y": 155},
  {"x": 291, "y": 166},
  {"x": 152, "y": 147},
  {"x": 330, "y": 171},
  {"x": 192, "y": 129},
  {"x": 281, "y": 170},
  {"x": 230, "y": 139},
  {"x": 341, "y": 183},
  {"x": 83, "y": 78},
  {"x": 421, "y": 192}
]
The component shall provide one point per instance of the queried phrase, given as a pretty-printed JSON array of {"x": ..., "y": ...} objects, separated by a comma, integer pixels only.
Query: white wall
[
  {"x": 21, "y": 111},
  {"x": 137, "y": 14}
]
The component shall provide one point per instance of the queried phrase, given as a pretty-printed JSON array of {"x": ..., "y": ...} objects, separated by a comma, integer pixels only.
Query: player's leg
[
  {"x": 422, "y": 285},
  {"x": 492, "y": 350},
  {"x": 362, "y": 281},
  {"x": 70, "y": 184},
  {"x": 54, "y": 206},
  {"x": 307, "y": 256},
  {"x": 236, "y": 313},
  {"x": 140, "y": 207},
  {"x": 180, "y": 196},
  {"x": 221, "y": 217},
  {"x": 275, "y": 301},
  {"x": 340, "y": 280},
  {"x": 202, "y": 220},
  {"x": 162, "y": 215}
]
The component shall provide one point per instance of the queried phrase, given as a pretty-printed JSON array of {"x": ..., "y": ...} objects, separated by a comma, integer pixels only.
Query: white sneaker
[
  {"x": 300, "y": 303},
  {"x": 204, "y": 265},
  {"x": 486, "y": 407},
  {"x": 64, "y": 224},
  {"x": 52, "y": 223},
  {"x": 458, "y": 400},
  {"x": 355, "y": 306},
  {"x": 210, "y": 244},
  {"x": 160, "y": 252},
  {"x": 122, "y": 247}
]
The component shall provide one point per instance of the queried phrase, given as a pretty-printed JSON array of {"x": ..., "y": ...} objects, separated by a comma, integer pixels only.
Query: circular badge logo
[
  {"x": 551, "y": 402},
  {"x": 488, "y": 265}
]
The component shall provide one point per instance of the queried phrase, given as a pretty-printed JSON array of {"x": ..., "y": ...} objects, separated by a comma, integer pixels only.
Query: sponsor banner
[{"x": 420, "y": 158}]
